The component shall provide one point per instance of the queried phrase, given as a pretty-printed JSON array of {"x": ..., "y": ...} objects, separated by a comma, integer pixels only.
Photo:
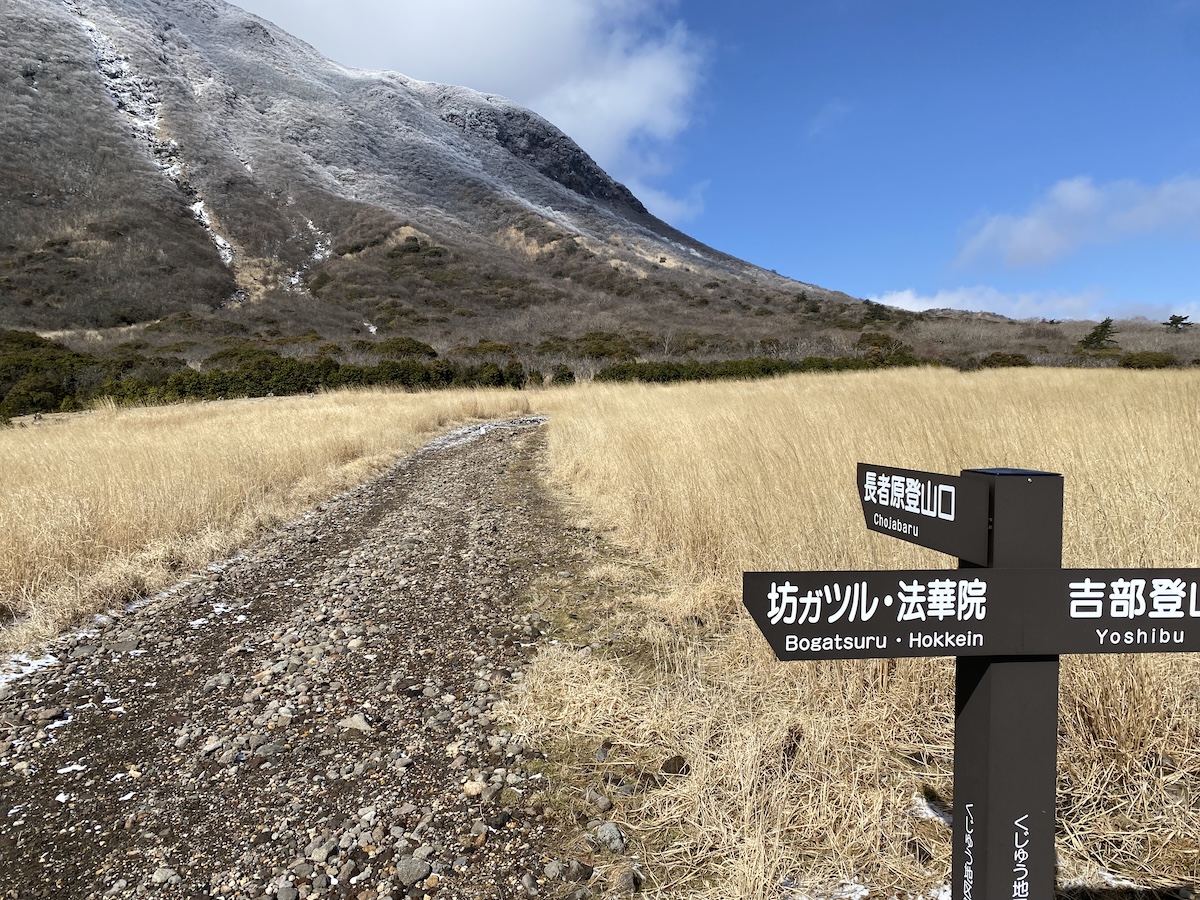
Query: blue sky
[{"x": 1033, "y": 159}]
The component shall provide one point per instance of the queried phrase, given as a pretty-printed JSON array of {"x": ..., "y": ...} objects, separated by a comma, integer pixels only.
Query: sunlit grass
[
  {"x": 808, "y": 771},
  {"x": 802, "y": 774},
  {"x": 98, "y": 508}
]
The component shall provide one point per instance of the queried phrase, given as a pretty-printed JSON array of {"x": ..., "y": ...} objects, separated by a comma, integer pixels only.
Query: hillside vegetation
[
  {"x": 801, "y": 776},
  {"x": 40, "y": 375}
]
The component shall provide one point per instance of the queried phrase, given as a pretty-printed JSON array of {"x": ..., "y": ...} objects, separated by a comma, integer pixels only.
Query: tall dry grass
[
  {"x": 103, "y": 506},
  {"x": 805, "y": 774}
]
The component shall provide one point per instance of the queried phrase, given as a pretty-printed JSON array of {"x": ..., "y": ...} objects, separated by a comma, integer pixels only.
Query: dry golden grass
[
  {"x": 801, "y": 773},
  {"x": 98, "y": 508},
  {"x": 806, "y": 773}
]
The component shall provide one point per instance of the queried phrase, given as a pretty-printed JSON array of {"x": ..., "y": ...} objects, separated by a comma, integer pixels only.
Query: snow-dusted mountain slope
[{"x": 174, "y": 156}]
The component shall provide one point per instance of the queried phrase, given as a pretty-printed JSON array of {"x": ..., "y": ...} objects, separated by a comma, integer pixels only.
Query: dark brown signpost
[{"x": 1006, "y": 613}]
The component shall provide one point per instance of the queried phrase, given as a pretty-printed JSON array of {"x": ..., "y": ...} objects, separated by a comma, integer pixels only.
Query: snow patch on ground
[
  {"x": 223, "y": 246},
  {"x": 321, "y": 251},
  {"x": 923, "y": 809},
  {"x": 19, "y": 665},
  {"x": 135, "y": 96},
  {"x": 324, "y": 245},
  {"x": 470, "y": 433}
]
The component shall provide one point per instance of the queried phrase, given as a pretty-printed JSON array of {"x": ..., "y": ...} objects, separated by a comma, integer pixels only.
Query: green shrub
[
  {"x": 487, "y": 348},
  {"x": 403, "y": 348},
  {"x": 37, "y": 374},
  {"x": 241, "y": 355},
  {"x": 885, "y": 350},
  {"x": 604, "y": 345},
  {"x": 1100, "y": 338},
  {"x": 1148, "y": 359},
  {"x": 752, "y": 367},
  {"x": 999, "y": 360},
  {"x": 318, "y": 281}
]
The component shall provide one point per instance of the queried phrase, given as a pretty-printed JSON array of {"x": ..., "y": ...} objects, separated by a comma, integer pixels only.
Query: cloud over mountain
[
  {"x": 620, "y": 77},
  {"x": 1077, "y": 212}
]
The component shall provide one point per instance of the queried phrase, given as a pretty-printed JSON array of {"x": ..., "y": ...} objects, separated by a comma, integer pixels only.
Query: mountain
[
  {"x": 183, "y": 184},
  {"x": 187, "y": 159}
]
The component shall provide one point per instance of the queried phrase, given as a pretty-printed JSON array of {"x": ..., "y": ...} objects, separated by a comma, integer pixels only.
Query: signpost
[
  {"x": 1006, "y": 613},
  {"x": 942, "y": 512}
]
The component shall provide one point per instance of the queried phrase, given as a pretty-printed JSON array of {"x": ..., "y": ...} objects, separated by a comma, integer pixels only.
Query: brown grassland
[
  {"x": 801, "y": 774},
  {"x": 104, "y": 506}
]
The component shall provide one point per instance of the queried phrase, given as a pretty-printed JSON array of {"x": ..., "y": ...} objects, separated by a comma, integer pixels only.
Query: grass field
[
  {"x": 807, "y": 773},
  {"x": 98, "y": 508},
  {"x": 801, "y": 774}
]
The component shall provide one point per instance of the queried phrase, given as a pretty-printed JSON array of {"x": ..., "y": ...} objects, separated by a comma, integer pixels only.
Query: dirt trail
[{"x": 313, "y": 718}]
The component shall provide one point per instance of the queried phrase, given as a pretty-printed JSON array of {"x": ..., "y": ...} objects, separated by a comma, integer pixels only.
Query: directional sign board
[
  {"x": 1007, "y": 623},
  {"x": 948, "y": 513},
  {"x": 975, "y": 612}
]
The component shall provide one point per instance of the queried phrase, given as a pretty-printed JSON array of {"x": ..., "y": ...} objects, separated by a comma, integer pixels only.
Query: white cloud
[
  {"x": 670, "y": 208},
  {"x": 619, "y": 76},
  {"x": 1017, "y": 305},
  {"x": 828, "y": 117},
  {"x": 1077, "y": 212}
]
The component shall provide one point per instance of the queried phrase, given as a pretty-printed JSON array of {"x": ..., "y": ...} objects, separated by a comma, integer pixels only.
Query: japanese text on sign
[
  {"x": 959, "y": 600},
  {"x": 913, "y": 495},
  {"x": 968, "y": 851},
  {"x": 1020, "y": 858},
  {"x": 1125, "y": 598}
]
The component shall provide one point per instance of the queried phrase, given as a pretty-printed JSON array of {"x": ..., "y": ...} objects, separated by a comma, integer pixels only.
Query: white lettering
[
  {"x": 939, "y": 640},
  {"x": 794, "y": 643},
  {"x": 1140, "y": 637},
  {"x": 945, "y": 502},
  {"x": 1087, "y": 599}
]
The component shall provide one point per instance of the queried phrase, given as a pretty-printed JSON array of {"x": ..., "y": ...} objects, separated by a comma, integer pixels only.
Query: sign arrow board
[
  {"x": 942, "y": 512},
  {"x": 975, "y": 612}
]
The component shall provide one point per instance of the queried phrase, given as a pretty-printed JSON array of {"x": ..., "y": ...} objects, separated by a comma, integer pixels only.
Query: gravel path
[{"x": 310, "y": 719}]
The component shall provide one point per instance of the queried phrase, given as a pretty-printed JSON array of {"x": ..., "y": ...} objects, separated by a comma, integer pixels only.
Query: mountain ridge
[
  {"x": 183, "y": 181},
  {"x": 275, "y": 149}
]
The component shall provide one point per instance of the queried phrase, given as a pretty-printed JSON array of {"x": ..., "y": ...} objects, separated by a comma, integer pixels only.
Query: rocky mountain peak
[{"x": 530, "y": 138}]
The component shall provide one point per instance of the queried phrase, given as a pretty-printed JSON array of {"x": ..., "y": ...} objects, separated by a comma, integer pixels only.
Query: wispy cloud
[
  {"x": 1016, "y": 305},
  {"x": 621, "y": 77},
  {"x": 1077, "y": 212},
  {"x": 668, "y": 207},
  {"x": 829, "y": 116}
]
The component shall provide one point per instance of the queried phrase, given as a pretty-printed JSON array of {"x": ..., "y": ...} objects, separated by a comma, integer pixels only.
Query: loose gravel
[{"x": 313, "y": 718}]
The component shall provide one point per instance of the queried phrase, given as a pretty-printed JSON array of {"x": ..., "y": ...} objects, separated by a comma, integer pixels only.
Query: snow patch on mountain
[
  {"x": 223, "y": 246},
  {"x": 136, "y": 97},
  {"x": 321, "y": 252}
]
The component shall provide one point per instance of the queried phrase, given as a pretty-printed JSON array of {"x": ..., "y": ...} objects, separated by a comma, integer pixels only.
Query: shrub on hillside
[
  {"x": 36, "y": 374},
  {"x": 1000, "y": 360},
  {"x": 1102, "y": 337},
  {"x": 486, "y": 348},
  {"x": 240, "y": 355},
  {"x": 604, "y": 345},
  {"x": 883, "y": 349},
  {"x": 1148, "y": 359},
  {"x": 403, "y": 348},
  {"x": 753, "y": 367}
]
